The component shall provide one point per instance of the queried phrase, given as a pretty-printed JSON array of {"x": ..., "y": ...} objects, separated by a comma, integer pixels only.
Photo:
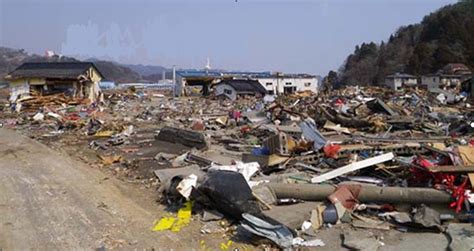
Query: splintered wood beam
[{"x": 353, "y": 167}]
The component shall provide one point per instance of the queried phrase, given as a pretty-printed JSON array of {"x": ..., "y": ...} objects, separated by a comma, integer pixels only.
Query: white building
[
  {"x": 399, "y": 80},
  {"x": 441, "y": 80},
  {"x": 289, "y": 83}
]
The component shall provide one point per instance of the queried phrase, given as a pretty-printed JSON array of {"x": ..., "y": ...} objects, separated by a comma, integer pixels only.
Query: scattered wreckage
[{"x": 286, "y": 169}]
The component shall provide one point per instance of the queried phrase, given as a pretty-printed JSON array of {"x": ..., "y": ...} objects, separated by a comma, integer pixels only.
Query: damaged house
[
  {"x": 75, "y": 79},
  {"x": 451, "y": 76},
  {"x": 234, "y": 88},
  {"x": 399, "y": 80}
]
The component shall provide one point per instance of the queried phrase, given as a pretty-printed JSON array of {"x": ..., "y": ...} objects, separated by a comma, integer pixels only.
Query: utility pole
[{"x": 174, "y": 81}]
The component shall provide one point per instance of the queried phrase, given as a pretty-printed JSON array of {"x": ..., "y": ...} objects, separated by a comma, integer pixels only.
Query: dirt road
[{"x": 50, "y": 202}]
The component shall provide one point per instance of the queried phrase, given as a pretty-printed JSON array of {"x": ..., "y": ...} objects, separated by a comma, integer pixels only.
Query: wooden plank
[
  {"x": 353, "y": 167},
  {"x": 451, "y": 169},
  {"x": 467, "y": 156}
]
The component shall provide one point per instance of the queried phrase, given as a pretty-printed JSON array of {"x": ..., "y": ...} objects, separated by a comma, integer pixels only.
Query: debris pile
[
  {"x": 285, "y": 169},
  {"x": 364, "y": 157}
]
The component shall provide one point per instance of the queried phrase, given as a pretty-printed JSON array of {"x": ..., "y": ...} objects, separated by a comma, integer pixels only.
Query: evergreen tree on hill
[{"x": 445, "y": 36}]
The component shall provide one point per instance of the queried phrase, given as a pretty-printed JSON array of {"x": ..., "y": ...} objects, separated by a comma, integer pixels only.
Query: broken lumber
[
  {"x": 336, "y": 118},
  {"x": 183, "y": 137},
  {"x": 352, "y": 167}
]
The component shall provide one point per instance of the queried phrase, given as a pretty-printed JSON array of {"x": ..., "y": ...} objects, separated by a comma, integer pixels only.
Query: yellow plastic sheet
[
  {"x": 164, "y": 224},
  {"x": 184, "y": 217},
  {"x": 175, "y": 223}
]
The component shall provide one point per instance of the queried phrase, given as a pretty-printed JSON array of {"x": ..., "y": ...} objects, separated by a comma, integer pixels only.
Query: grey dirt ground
[{"x": 48, "y": 201}]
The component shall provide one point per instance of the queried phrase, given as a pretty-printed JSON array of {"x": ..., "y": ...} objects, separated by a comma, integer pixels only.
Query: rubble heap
[{"x": 287, "y": 169}]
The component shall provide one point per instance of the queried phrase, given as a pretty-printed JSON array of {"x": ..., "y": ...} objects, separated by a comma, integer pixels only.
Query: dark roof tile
[{"x": 68, "y": 70}]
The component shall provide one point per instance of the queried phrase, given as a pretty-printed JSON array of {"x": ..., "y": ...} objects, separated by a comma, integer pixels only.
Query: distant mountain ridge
[
  {"x": 146, "y": 70},
  {"x": 11, "y": 58}
]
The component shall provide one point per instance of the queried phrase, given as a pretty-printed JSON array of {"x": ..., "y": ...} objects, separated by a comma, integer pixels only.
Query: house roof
[
  {"x": 456, "y": 68},
  {"x": 61, "y": 70},
  {"x": 245, "y": 85}
]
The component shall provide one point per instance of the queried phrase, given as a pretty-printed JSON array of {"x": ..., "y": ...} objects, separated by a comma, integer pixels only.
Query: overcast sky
[{"x": 312, "y": 36}]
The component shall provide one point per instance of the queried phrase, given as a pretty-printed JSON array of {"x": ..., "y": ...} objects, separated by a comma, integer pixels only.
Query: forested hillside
[{"x": 445, "y": 36}]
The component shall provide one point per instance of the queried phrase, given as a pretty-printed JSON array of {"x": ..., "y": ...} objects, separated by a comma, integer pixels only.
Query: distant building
[
  {"x": 273, "y": 83},
  {"x": 277, "y": 84},
  {"x": 77, "y": 79},
  {"x": 162, "y": 85},
  {"x": 451, "y": 76},
  {"x": 441, "y": 80},
  {"x": 399, "y": 80},
  {"x": 202, "y": 78},
  {"x": 107, "y": 84},
  {"x": 234, "y": 88},
  {"x": 207, "y": 78}
]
